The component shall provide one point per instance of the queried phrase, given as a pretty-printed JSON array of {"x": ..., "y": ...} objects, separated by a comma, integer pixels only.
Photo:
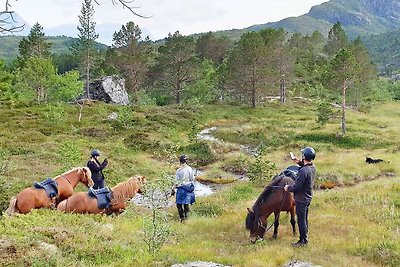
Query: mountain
[
  {"x": 385, "y": 51},
  {"x": 358, "y": 17}
]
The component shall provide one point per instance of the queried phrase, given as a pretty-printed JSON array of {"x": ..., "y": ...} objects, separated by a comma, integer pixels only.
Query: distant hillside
[
  {"x": 358, "y": 17},
  {"x": 385, "y": 51},
  {"x": 60, "y": 44}
]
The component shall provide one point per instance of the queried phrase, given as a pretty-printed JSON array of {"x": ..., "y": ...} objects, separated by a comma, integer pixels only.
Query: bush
[
  {"x": 325, "y": 113},
  {"x": 141, "y": 142},
  {"x": 200, "y": 152},
  {"x": 238, "y": 165},
  {"x": 262, "y": 170}
]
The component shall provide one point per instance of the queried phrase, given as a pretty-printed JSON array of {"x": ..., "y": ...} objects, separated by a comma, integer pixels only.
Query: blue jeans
[{"x": 302, "y": 220}]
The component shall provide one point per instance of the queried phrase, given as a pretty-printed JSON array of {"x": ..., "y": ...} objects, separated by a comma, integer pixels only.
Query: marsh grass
[{"x": 354, "y": 224}]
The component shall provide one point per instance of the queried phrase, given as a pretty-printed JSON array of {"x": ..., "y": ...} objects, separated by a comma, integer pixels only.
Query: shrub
[
  {"x": 238, "y": 164},
  {"x": 141, "y": 142},
  {"x": 156, "y": 229},
  {"x": 200, "y": 152},
  {"x": 325, "y": 113},
  {"x": 262, "y": 169}
]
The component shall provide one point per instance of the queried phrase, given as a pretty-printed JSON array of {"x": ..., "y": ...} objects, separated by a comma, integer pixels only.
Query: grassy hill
[
  {"x": 354, "y": 224},
  {"x": 60, "y": 44}
]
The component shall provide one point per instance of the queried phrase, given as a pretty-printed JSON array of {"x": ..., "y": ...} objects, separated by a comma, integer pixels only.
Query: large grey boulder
[{"x": 109, "y": 89}]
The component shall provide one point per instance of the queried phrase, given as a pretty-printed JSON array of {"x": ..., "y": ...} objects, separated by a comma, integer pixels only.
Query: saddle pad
[
  {"x": 49, "y": 185},
  {"x": 103, "y": 196}
]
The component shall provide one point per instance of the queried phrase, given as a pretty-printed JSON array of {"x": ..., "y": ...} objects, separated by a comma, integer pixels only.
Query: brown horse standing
[
  {"x": 272, "y": 200},
  {"x": 35, "y": 198},
  {"x": 81, "y": 202}
]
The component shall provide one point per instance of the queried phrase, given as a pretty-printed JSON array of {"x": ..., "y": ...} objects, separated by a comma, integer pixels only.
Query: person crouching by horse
[
  {"x": 97, "y": 169},
  {"x": 185, "y": 188},
  {"x": 302, "y": 190}
]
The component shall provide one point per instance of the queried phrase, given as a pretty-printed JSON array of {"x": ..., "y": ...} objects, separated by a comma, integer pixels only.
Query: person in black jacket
[
  {"x": 97, "y": 169},
  {"x": 302, "y": 190}
]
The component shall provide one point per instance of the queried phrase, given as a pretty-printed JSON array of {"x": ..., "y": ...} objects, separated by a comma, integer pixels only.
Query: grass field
[{"x": 354, "y": 224}]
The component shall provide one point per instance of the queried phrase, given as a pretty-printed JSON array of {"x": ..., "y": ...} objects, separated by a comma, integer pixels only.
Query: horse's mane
[
  {"x": 69, "y": 171},
  {"x": 267, "y": 192},
  {"x": 127, "y": 189}
]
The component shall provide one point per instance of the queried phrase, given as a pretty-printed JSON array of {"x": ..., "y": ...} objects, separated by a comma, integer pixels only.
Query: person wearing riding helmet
[
  {"x": 302, "y": 190},
  {"x": 97, "y": 169},
  {"x": 184, "y": 183}
]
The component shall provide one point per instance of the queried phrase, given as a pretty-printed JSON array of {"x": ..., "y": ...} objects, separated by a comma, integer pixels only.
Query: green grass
[{"x": 354, "y": 224}]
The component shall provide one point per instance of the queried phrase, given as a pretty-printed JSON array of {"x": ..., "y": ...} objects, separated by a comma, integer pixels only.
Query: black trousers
[
  {"x": 183, "y": 210},
  {"x": 302, "y": 220},
  {"x": 98, "y": 184}
]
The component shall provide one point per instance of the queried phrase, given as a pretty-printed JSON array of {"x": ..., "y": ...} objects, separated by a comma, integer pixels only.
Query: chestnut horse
[
  {"x": 272, "y": 200},
  {"x": 81, "y": 202},
  {"x": 35, "y": 198}
]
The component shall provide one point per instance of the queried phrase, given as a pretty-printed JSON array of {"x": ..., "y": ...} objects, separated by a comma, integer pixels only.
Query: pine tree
[
  {"x": 337, "y": 40},
  {"x": 35, "y": 44},
  {"x": 246, "y": 68},
  {"x": 176, "y": 65},
  {"x": 132, "y": 55},
  {"x": 85, "y": 49},
  {"x": 344, "y": 71}
]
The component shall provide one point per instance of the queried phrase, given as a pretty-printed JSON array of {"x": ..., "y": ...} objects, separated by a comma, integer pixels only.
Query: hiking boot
[{"x": 300, "y": 243}]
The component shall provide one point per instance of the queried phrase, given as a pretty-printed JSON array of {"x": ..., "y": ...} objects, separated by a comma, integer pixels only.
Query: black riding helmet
[
  {"x": 183, "y": 158},
  {"x": 95, "y": 153},
  {"x": 308, "y": 153}
]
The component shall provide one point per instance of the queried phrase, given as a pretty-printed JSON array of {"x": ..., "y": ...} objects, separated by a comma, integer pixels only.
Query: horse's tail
[
  {"x": 62, "y": 206},
  {"x": 12, "y": 208}
]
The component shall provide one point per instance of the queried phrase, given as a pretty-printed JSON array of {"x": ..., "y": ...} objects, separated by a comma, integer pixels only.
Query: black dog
[{"x": 371, "y": 160}]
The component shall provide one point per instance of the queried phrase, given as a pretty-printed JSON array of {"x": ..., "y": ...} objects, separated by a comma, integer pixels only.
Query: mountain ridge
[{"x": 358, "y": 17}]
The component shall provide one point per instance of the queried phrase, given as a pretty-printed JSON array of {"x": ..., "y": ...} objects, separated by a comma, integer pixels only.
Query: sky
[{"x": 165, "y": 16}]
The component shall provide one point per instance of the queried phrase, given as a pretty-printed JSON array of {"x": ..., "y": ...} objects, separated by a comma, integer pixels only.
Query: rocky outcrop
[{"x": 109, "y": 89}]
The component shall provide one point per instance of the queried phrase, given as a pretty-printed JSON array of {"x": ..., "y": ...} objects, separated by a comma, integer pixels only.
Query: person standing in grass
[
  {"x": 97, "y": 169},
  {"x": 302, "y": 190},
  {"x": 184, "y": 184}
]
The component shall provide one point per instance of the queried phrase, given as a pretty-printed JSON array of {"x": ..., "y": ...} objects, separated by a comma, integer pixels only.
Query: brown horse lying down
[
  {"x": 81, "y": 202},
  {"x": 35, "y": 198}
]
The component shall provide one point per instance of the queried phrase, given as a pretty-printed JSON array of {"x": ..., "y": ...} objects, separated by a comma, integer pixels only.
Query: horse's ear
[{"x": 249, "y": 210}]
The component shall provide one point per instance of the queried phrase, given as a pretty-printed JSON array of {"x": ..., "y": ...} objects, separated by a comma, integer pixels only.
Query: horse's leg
[
  {"x": 276, "y": 224},
  {"x": 293, "y": 220}
]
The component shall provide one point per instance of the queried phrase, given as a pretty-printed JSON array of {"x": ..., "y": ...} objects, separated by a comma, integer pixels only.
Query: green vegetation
[
  {"x": 59, "y": 45},
  {"x": 36, "y": 144}
]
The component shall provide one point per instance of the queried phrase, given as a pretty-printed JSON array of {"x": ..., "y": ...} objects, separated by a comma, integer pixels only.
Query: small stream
[{"x": 161, "y": 199}]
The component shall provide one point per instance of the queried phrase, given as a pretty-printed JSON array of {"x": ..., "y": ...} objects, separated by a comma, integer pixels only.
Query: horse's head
[
  {"x": 255, "y": 226},
  {"x": 86, "y": 176},
  {"x": 140, "y": 180}
]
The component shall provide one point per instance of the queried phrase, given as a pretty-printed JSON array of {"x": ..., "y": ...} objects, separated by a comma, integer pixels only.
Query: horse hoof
[{"x": 275, "y": 236}]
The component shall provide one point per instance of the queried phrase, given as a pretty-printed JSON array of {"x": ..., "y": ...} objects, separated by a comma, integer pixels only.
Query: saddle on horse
[
  {"x": 103, "y": 196},
  {"x": 292, "y": 172},
  {"x": 49, "y": 185}
]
